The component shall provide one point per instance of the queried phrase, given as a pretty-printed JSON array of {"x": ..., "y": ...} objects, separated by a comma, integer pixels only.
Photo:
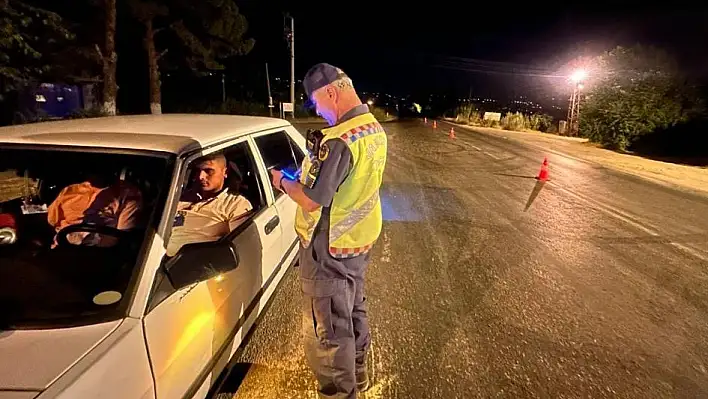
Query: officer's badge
[
  {"x": 324, "y": 152},
  {"x": 313, "y": 174}
]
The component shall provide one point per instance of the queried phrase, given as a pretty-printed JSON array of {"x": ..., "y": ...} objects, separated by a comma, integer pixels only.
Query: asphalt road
[{"x": 598, "y": 289}]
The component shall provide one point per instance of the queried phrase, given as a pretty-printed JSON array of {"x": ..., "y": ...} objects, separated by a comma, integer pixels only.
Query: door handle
[{"x": 272, "y": 224}]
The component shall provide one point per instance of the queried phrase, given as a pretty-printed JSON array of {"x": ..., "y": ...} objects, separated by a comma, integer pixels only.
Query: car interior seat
[{"x": 245, "y": 183}]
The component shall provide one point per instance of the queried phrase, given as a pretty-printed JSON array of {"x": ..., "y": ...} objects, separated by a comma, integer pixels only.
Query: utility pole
[
  {"x": 574, "y": 110},
  {"x": 292, "y": 61},
  {"x": 571, "y": 113},
  {"x": 270, "y": 98}
]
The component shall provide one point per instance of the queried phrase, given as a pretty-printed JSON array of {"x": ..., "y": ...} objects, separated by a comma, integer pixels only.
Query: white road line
[
  {"x": 476, "y": 148},
  {"x": 619, "y": 215},
  {"x": 491, "y": 155}
]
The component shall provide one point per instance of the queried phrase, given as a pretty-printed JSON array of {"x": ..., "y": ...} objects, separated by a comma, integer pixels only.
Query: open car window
[
  {"x": 201, "y": 215},
  {"x": 280, "y": 152},
  {"x": 72, "y": 226}
]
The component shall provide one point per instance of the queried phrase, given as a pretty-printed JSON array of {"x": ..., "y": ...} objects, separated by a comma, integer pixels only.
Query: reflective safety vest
[{"x": 355, "y": 213}]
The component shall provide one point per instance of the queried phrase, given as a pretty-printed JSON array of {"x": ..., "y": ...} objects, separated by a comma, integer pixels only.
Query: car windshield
[{"x": 72, "y": 225}]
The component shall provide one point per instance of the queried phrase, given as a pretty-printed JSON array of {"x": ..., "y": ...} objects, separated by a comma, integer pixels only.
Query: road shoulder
[{"x": 688, "y": 178}]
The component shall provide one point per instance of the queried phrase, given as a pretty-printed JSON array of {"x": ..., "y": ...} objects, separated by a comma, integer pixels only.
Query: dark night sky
[{"x": 400, "y": 49}]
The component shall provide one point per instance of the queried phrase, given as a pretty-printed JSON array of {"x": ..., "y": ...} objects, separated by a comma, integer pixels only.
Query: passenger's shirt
[
  {"x": 116, "y": 206},
  {"x": 207, "y": 220}
]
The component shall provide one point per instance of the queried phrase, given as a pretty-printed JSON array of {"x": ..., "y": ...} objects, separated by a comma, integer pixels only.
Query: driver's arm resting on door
[{"x": 208, "y": 220}]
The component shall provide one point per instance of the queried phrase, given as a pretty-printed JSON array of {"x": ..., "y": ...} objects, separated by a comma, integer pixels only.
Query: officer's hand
[{"x": 275, "y": 177}]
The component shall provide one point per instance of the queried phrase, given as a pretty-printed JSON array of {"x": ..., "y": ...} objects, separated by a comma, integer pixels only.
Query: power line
[
  {"x": 517, "y": 73},
  {"x": 493, "y": 67},
  {"x": 490, "y": 62}
]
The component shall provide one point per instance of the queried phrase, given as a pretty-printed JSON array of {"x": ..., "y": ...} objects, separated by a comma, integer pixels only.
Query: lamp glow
[{"x": 578, "y": 75}]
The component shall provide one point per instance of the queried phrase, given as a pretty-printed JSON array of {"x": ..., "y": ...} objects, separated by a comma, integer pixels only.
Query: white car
[{"x": 127, "y": 321}]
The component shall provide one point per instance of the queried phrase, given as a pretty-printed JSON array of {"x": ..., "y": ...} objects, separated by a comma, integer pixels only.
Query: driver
[
  {"x": 100, "y": 200},
  {"x": 209, "y": 211}
]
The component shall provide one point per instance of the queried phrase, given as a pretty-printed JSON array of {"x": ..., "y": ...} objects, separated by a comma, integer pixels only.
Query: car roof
[{"x": 173, "y": 133}]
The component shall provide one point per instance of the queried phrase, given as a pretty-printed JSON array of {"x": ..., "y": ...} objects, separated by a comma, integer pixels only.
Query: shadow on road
[
  {"x": 534, "y": 193},
  {"x": 513, "y": 175},
  {"x": 237, "y": 374}
]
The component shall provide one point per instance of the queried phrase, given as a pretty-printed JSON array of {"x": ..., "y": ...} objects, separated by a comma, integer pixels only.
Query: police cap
[{"x": 318, "y": 77}]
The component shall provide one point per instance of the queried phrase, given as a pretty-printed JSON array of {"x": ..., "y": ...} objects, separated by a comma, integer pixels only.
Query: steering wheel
[{"x": 62, "y": 235}]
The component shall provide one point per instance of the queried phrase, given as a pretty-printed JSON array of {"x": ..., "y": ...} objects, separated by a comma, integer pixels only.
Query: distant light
[
  {"x": 40, "y": 98},
  {"x": 60, "y": 99},
  {"x": 578, "y": 75},
  {"x": 219, "y": 278},
  {"x": 370, "y": 102}
]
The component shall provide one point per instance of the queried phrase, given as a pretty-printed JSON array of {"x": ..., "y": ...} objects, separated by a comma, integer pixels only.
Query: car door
[
  {"x": 193, "y": 332},
  {"x": 281, "y": 149}
]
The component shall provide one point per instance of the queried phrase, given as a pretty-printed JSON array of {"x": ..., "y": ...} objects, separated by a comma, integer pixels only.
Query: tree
[
  {"x": 638, "y": 91},
  {"x": 213, "y": 31},
  {"x": 109, "y": 59},
  {"x": 210, "y": 30},
  {"x": 91, "y": 56},
  {"x": 146, "y": 12},
  {"x": 27, "y": 33}
]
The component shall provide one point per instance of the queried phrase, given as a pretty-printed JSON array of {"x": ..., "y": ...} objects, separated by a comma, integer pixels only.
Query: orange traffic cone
[
  {"x": 543, "y": 174},
  {"x": 435, "y": 124},
  {"x": 452, "y": 133},
  {"x": 425, "y": 121}
]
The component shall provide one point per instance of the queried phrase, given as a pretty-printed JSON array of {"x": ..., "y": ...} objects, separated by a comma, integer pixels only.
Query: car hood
[{"x": 33, "y": 359}]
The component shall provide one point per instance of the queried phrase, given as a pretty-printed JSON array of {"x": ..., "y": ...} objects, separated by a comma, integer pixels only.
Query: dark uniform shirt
[{"x": 333, "y": 171}]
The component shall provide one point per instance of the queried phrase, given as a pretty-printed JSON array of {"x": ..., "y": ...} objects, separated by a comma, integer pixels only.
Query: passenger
[
  {"x": 209, "y": 211},
  {"x": 100, "y": 201}
]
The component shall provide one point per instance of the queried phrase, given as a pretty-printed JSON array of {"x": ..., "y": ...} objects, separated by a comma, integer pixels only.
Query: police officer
[{"x": 338, "y": 220}]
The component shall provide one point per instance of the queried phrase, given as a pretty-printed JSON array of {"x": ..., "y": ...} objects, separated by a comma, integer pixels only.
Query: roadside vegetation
[
  {"x": 468, "y": 114},
  {"x": 636, "y": 92},
  {"x": 635, "y": 100}
]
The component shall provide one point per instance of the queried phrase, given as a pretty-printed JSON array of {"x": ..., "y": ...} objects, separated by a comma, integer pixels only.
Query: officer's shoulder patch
[{"x": 324, "y": 152}]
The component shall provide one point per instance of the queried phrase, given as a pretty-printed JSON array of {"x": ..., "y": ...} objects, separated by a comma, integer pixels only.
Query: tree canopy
[
  {"x": 213, "y": 31},
  {"x": 635, "y": 91},
  {"x": 28, "y": 35}
]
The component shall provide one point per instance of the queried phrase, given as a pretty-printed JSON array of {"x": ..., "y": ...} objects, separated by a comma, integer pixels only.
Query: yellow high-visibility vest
[{"x": 355, "y": 215}]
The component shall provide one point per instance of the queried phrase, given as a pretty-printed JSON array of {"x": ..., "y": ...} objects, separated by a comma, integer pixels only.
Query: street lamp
[
  {"x": 578, "y": 75},
  {"x": 576, "y": 78},
  {"x": 370, "y": 102}
]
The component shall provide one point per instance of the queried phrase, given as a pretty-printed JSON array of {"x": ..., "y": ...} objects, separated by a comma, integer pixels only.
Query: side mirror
[{"x": 200, "y": 261}]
